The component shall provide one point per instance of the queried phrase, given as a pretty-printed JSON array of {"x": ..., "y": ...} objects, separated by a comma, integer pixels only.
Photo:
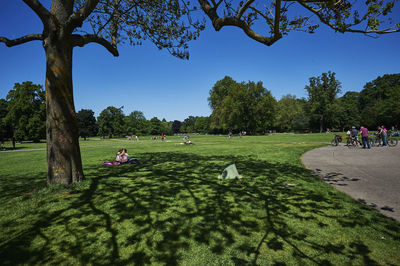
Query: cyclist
[
  {"x": 354, "y": 135},
  {"x": 382, "y": 135}
]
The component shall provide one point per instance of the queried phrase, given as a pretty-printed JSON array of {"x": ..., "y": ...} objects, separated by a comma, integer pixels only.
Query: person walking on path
[{"x": 364, "y": 137}]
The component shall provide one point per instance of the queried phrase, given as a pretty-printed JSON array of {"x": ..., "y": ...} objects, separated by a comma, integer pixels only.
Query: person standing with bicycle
[
  {"x": 354, "y": 135},
  {"x": 364, "y": 137},
  {"x": 382, "y": 135}
]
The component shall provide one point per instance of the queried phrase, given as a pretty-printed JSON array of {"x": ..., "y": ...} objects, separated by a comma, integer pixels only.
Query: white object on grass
[{"x": 230, "y": 172}]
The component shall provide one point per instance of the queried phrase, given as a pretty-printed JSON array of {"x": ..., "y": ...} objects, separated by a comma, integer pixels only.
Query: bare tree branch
[
  {"x": 24, "y": 39},
  {"x": 77, "y": 18},
  {"x": 244, "y": 8},
  {"x": 79, "y": 40},
  {"x": 39, "y": 9},
  {"x": 262, "y": 14}
]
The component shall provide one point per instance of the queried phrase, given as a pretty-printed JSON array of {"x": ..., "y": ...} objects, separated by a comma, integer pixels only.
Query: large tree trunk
[{"x": 64, "y": 164}]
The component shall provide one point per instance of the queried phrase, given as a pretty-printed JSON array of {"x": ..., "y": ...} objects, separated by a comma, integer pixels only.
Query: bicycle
[
  {"x": 336, "y": 140},
  {"x": 353, "y": 142},
  {"x": 391, "y": 138},
  {"x": 378, "y": 141},
  {"x": 375, "y": 140}
]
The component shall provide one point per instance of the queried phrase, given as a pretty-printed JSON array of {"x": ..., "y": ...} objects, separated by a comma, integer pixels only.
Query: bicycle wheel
[
  {"x": 372, "y": 142},
  {"x": 334, "y": 142},
  {"x": 377, "y": 142},
  {"x": 392, "y": 142},
  {"x": 352, "y": 145}
]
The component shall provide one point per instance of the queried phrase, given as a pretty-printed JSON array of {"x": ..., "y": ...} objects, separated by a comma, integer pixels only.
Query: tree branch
[
  {"x": 24, "y": 39},
  {"x": 277, "y": 17},
  {"x": 76, "y": 19},
  {"x": 79, "y": 40},
  {"x": 244, "y": 8},
  {"x": 332, "y": 26},
  {"x": 218, "y": 23},
  {"x": 39, "y": 9}
]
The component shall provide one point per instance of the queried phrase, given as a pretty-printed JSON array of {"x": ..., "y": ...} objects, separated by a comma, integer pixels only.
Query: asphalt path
[{"x": 372, "y": 176}]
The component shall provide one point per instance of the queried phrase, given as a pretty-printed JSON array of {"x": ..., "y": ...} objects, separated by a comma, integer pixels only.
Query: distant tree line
[
  {"x": 250, "y": 107},
  {"x": 235, "y": 107},
  {"x": 112, "y": 122}
]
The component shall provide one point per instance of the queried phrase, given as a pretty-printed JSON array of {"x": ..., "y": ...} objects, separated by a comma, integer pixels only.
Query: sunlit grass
[{"x": 171, "y": 209}]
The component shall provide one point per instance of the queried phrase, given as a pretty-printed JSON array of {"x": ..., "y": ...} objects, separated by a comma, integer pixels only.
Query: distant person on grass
[{"x": 364, "y": 137}]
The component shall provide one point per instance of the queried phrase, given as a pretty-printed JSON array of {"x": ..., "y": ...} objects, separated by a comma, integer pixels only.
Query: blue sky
[{"x": 154, "y": 82}]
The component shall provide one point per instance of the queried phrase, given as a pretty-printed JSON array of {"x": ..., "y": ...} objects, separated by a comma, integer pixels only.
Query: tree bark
[{"x": 64, "y": 163}]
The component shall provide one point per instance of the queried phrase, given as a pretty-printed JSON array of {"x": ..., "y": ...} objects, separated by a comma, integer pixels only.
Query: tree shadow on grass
[
  {"x": 171, "y": 209},
  {"x": 12, "y": 186}
]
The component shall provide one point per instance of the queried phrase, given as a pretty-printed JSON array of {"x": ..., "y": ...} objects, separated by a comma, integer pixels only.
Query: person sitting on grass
[{"x": 122, "y": 158}]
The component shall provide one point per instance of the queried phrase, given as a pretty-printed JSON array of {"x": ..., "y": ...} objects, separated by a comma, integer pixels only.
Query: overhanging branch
[
  {"x": 347, "y": 29},
  {"x": 219, "y": 22},
  {"x": 82, "y": 40},
  {"x": 24, "y": 39}
]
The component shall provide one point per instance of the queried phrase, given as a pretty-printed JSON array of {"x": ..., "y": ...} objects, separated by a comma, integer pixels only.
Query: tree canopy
[
  {"x": 111, "y": 122},
  {"x": 322, "y": 92},
  {"x": 241, "y": 106},
  {"x": 87, "y": 123},
  {"x": 380, "y": 101},
  {"x": 26, "y": 114}
]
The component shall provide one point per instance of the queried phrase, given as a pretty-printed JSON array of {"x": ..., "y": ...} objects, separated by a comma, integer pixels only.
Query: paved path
[{"x": 371, "y": 176}]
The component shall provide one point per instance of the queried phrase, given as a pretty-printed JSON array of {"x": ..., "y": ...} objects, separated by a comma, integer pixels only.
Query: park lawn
[{"x": 172, "y": 210}]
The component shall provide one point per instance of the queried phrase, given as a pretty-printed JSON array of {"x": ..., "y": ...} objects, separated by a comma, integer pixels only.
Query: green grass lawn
[{"x": 172, "y": 210}]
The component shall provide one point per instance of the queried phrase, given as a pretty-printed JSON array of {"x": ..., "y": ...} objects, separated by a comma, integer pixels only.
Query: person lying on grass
[
  {"x": 186, "y": 143},
  {"x": 122, "y": 158}
]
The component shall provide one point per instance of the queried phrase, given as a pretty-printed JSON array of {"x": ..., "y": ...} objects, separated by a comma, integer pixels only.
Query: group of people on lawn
[{"x": 353, "y": 134}]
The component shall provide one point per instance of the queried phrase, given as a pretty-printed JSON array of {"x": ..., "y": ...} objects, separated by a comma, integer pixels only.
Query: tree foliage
[
  {"x": 176, "y": 126},
  {"x": 111, "y": 122},
  {"x": 5, "y": 130},
  {"x": 87, "y": 123},
  {"x": 268, "y": 21},
  {"x": 322, "y": 92},
  {"x": 136, "y": 124},
  {"x": 26, "y": 111},
  {"x": 241, "y": 106},
  {"x": 288, "y": 107},
  {"x": 155, "y": 126},
  {"x": 380, "y": 101}
]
